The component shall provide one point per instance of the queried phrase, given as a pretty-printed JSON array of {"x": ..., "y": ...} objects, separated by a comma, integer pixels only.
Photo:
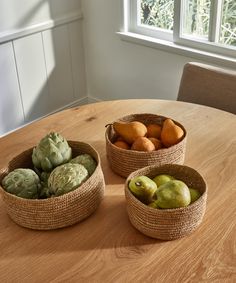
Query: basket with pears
[
  {"x": 166, "y": 202},
  {"x": 139, "y": 140}
]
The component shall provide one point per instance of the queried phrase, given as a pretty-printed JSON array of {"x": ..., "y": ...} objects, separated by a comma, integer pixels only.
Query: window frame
[{"x": 177, "y": 37}]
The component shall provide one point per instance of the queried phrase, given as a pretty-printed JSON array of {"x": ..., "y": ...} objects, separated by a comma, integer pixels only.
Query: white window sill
[{"x": 178, "y": 49}]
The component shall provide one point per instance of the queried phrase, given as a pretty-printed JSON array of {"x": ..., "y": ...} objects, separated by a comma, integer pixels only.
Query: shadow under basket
[
  {"x": 55, "y": 212},
  {"x": 123, "y": 162},
  {"x": 167, "y": 224}
]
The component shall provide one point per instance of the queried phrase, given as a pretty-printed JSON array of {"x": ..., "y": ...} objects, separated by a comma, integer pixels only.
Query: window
[{"x": 207, "y": 25}]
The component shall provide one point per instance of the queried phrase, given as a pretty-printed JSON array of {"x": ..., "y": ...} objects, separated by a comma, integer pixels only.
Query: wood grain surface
[{"x": 105, "y": 247}]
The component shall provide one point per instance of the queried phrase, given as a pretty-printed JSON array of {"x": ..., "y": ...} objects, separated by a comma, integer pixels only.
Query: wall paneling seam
[{"x": 18, "y": 79}]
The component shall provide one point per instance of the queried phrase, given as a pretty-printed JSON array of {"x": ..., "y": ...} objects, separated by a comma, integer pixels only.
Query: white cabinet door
[
  {"x": 32, "y": 76},
  {"x": 59, "y": 69},
  {"x": 11, "y": 111}
]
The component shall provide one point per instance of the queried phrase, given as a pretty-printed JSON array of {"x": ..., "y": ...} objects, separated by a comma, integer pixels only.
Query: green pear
[
  {"x": 143, "y": 188},
  {"x": 173, "y": 194},
  {"x": 162, "y": 179},
  {"x": 195, "y": 194}
]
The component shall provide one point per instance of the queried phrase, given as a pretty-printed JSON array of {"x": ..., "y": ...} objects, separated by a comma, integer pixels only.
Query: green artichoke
[
  {"x": 87, "y": 161},
  {"x": 52, "y": 151},
  {"x": 24, "y": 183},
  {"x": 44, "y": 177},
  {"x": 66, "y": 178},
  {"x": 44, "y": 192}
]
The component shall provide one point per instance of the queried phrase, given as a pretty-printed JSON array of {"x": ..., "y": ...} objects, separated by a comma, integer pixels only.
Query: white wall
[
  {"x": 117, "y": 69},
  {"x": 42, "y": 65},
  {"x": 51, "y": 58}
]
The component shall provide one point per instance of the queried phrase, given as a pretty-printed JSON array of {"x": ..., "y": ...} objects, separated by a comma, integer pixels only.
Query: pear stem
[{"x": 108, "y": 125}]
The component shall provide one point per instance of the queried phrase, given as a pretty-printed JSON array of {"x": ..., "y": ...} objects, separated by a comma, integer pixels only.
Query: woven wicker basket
[
  {"x": 57, "y": 212},
  {"x": 167, "y": 224},
  {"x": 123, "y": 162}
]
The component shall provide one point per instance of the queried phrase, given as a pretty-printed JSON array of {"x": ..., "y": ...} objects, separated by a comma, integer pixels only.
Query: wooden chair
[{"x": 208, "y": 85}]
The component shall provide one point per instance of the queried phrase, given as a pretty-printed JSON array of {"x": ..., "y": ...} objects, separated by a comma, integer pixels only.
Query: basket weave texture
[
  {"x": 167, "y": 224},
  {"x": 55, "y": 212},
  {"x": 123, "y": 162}
]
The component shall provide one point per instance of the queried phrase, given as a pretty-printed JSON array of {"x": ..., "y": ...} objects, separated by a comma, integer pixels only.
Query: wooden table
[{"x": 105, "y": 247}]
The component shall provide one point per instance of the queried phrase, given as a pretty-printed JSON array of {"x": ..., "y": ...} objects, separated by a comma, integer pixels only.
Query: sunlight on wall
[
  {"x": 51, "y": 62},
  {"x": 39, "y": 41}
]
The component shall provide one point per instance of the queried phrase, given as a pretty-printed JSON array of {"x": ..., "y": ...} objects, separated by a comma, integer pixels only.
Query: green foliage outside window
[
  {"x": 160, "y": 14},
  {"x": 196, "y": 18},
  {"x": 157, "y": 13},
  {"x": 228, "y": 26}
]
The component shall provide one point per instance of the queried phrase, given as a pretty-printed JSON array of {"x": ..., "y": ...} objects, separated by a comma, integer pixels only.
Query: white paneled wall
[
  {"x": 77, "y": 53},
  {"x": 32, "y": 76},
  {"x": 59, "y": 66},
  {"x": 11, "y": 110},
  {"x": 41, "y": 73},
  {"x": 42, "y": 68}
]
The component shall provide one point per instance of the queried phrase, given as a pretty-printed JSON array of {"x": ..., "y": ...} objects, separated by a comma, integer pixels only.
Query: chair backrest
[{"x": 208, "y": 85}]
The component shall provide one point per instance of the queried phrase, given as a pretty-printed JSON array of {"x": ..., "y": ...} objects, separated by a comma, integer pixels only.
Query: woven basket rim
[
  {"x": 51, "y": 199},
  {"x": 166, "y": 210}
]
